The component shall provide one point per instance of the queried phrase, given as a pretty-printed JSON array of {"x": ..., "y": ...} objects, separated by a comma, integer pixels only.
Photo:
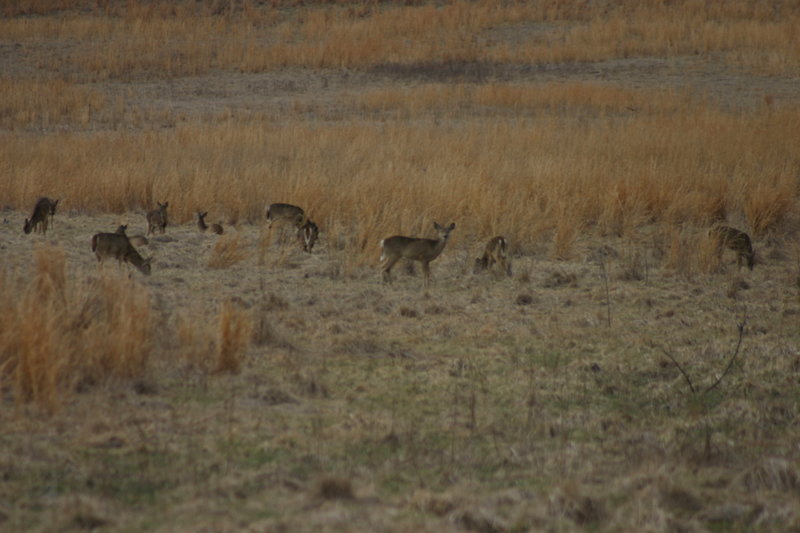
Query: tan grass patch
[
  {"x": 227, "y": 251},
  {"x": 59, "y": 333},
  {"x": 184, "y": 38},
  {"x": 234, "y": 338}
]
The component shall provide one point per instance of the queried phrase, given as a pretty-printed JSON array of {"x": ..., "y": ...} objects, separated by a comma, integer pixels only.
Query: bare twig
[
  {"x": 677, "y": 364},
  {"x": 601, "y": 261},
  {"x": 735, "y": 353}
]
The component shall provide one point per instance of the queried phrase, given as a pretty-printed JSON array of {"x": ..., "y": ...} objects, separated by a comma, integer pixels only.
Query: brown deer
[
  {"x": 736, "y": 240},
  {"x": 157, "y": 219},
  {"x": 307, "y": 231},
  {"x": 204, "y": 228},
  {"x": 496, "y": 252},
  {"x": 42, "y": 216},
  {"x": 423, "y": 250},
  {"x": 287, "y": 212},
  {"x": 117, "y": 246}
]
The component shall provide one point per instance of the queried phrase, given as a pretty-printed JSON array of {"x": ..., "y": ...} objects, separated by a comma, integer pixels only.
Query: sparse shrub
[
  {"x": 524, "y": 299},
  {"x": 333, "y": 488}
]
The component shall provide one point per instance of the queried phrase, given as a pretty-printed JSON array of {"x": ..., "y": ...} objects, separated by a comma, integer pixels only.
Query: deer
[
  {"x": 416, "y": 249},
  {"x": 205, "y": 228},
  {"x": 157, "y": 219},
  {"x": 135, "y": 240},
  {"x": 308, "y": 234},
  {"x": 286, "y": 212},
  {"x": 42, "y": 216},
  {"x": 496, "y": 252},
  {"x": 736, "y": 240},
  {"x": 295, "y": 216},
  {"x": 116, "y": 245}
]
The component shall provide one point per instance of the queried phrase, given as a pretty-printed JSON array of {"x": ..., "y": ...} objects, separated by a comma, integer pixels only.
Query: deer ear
[
  {"x": 436, "y": 225},
  {"x": 452, "y": 226}
]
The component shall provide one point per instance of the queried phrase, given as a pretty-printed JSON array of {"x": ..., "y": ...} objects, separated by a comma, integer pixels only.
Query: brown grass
[
  {"x": 227, "y": 251},
  {"x": 675, "y": 169},
  {"x": 270, "y": 389},
  {"x": 179, "y": 38},
  {"x": 60, "y": 333},
  {"x": 235, "y": 327}
]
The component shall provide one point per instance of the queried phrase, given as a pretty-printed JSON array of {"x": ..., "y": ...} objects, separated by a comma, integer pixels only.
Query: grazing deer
[
  {"x": 117, "y": 245},
  {"x": 287, "y": 212},
  {"x": 135, "y": 240},
  {"x": 139, "y": 240},
  {"x": 423, "y": 250},
  {"x": 43, "y": 213},
  {"x": 157, "y": 219},
  {"x": 308, "y": 234},
  {"x": 204, "y": 228},
  {"x": 290, "y": 214},
  {"x": 496, "y": 251},
  {"x": 736, "y": 240}
]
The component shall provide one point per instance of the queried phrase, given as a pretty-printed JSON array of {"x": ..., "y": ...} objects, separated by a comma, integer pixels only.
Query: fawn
[
  {"x": 423, "y": 250},
  {"x": 157, "y": 219},
  {"x": 42, "y": 216},
  {"x": 204, "y": 228},
  {"x": 496, "y": 252}
]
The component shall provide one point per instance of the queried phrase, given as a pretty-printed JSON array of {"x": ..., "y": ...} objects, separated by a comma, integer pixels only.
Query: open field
[{"x": 247, "y": 386}]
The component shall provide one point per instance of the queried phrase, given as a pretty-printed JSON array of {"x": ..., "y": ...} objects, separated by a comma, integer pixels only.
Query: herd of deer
[{"x": 119, "y": 246}]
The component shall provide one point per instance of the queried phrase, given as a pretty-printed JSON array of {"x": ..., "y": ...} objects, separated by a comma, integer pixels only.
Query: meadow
[{"x": 624, "y": 377}]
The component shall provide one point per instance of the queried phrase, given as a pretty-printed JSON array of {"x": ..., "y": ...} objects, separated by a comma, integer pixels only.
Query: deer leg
[
  {"x": 426, "y": 270},
  {"x": 386, "y": 275}
]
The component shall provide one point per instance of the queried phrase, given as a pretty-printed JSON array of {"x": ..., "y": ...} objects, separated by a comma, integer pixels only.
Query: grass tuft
[
  {"x": 227, "y": 251},
  {"x": 234, "y": 338}
]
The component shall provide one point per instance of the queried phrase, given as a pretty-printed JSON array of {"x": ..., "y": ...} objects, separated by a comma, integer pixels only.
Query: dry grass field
[{"x": 623, "y": 378}]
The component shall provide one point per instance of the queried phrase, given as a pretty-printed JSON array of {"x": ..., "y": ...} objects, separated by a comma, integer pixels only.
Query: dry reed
[
  {"x": 524, "y": 178},
  {"x": 58, "y": 333},
  {"x": 124, "y": 40},
  {"x": 234, "y": 338}
]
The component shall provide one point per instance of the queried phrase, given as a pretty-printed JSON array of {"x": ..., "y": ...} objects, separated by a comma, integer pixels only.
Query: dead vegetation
[{"x": 246, "y": 384}]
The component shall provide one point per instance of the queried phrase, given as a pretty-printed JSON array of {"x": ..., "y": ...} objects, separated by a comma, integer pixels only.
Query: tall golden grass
[
  {"x": 545, "y": 177},
  {"x": 46, "y": 104},
  {"x": 58, "y": 334},
  {"x": 209, "y": 350},
  {"x": 120, "y": 40}
]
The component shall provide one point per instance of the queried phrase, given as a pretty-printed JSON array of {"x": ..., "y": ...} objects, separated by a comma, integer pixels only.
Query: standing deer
[
  {"x": 157, "y": 219},
  {"x": 204, "y": 228},
  {"x": 117, "y": 245},
  {"x": 496, "y": 252},
  {"x": 43, "y": 213},
  {"x": 423, "y": 250},
  {"x": 736, "y": 240}
]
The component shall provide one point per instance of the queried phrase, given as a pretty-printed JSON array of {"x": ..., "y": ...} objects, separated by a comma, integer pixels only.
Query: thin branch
[
  {"x": 685, "y": 375},
  {"x": 735, "y": 353}
]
